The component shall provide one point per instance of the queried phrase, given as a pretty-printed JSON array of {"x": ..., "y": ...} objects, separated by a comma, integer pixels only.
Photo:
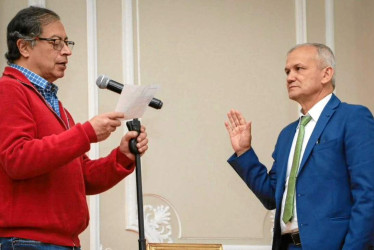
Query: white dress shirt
[{"x": 315, "y": 113}]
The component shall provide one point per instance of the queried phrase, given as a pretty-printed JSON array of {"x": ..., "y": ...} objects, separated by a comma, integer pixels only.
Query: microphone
[{"x": 105, "y": 82}]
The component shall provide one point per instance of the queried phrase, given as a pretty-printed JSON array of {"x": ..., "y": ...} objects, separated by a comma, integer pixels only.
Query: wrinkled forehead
[
  {"x": 54, "y": 29},
  {"x": 304, "y": 55}
]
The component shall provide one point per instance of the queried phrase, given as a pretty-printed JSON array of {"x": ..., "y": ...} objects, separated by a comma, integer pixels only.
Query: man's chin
[
  {"x": 60, "y": 74},
  {"x": 292, "y": 96},
  {"x": 55, "y": 77}
]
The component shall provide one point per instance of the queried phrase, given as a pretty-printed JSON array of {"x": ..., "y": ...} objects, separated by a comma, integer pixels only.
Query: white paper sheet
[{"x": 134, "y": 100}]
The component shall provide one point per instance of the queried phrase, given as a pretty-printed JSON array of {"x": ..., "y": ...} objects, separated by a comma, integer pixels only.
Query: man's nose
[
  {"x": 291, "y": 77},
  {"x": 66, "y": 50}
]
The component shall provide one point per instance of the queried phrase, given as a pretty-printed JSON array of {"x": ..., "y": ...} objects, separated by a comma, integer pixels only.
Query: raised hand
[{"x": 239, "y": 131}]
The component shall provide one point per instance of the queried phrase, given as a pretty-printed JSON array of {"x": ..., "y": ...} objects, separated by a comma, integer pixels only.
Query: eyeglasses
[{"x": 57, "y": 43}]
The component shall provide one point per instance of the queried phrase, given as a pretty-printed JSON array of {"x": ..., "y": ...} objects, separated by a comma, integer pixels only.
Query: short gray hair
[{"x": 324, "y": 53}]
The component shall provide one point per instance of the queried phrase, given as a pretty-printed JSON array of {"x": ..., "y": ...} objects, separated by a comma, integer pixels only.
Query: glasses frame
[{"x": 57, "y": 46}]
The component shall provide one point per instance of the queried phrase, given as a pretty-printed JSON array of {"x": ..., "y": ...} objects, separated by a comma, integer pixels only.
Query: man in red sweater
[{"x": 45, "y": 174}]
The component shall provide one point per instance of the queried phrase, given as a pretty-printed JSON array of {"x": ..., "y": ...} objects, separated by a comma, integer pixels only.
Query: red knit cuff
[
  {"x": 124, "y": 161},
  {"x": 90, "y": 132}
]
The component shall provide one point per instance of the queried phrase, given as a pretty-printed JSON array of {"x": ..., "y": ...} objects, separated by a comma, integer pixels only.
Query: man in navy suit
[{"x": 332, "y": 206}]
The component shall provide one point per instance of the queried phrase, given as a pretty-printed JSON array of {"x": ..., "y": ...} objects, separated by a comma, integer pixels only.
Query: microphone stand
[{"x": 134, "y": 125}]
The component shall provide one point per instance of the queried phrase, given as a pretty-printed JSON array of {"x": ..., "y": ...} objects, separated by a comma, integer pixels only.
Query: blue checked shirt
[{"x": 46, "y": 89}]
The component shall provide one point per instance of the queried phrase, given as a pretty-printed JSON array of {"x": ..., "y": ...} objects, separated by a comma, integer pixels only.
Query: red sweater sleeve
[
  {"x": 26, "y": 149},
  {"x": 102, "y": 174}
]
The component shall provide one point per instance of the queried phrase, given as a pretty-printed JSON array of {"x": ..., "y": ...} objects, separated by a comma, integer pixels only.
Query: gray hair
[{"x": 325, "y": 56}]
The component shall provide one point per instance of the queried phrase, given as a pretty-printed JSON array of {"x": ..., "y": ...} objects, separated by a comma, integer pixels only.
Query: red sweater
[{"x": 44, "y": 172}]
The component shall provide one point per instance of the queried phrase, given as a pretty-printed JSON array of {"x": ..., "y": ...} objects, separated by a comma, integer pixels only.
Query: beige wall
[
  {"x": 8, "y": 8},
  {"x": 354, "y": 51},
  {"x": 208, "y": 56}
]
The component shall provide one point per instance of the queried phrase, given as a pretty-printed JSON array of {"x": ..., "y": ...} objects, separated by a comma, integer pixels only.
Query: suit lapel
[{"x": 327, "y": 113}]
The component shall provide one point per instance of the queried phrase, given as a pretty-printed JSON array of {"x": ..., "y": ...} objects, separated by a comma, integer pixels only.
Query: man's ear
[
  {"x": 328, "y": 73},
  {"x": 24, "y": 47}
]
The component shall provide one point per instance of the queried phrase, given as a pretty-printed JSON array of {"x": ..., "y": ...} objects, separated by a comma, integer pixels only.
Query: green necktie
[{"x": 289, "y": 205}]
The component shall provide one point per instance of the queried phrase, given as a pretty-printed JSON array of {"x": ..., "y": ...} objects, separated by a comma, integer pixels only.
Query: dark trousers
[
  {"x": 287, "y": 244},
  {"x": 290, "y": 247}
]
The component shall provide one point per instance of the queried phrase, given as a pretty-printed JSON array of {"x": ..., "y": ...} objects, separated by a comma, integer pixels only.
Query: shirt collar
[
  {"x": 36, "y": 79},
  {"x": 316, "y": 111}
]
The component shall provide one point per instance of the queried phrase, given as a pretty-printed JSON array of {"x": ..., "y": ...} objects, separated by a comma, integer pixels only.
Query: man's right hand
[
  {"x": 105, "y": 124},
  {"x": 239, "y": 131}
]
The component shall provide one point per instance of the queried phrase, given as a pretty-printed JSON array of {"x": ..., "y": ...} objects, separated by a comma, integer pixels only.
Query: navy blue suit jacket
[{"x": 335, "y": 184}]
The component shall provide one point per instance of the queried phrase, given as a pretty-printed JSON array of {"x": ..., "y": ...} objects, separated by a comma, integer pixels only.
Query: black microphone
[{"x": 105, "y": 82}]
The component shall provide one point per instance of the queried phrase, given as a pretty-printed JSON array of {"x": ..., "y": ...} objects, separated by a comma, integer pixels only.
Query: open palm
[{"x": 239, "y": 131}]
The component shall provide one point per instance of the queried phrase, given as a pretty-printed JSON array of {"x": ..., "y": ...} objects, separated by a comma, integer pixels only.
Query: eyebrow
[
  {"x": 66, "y": 38},
  {"x": 295, "y": 65}
]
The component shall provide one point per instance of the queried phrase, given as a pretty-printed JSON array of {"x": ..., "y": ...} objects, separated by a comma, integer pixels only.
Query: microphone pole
[
  {"x": 104, "y": 82},
  {"x": 134, "y": 125}
]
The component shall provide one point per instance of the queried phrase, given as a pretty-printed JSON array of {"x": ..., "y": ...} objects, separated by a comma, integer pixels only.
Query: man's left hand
[{"x": 142, "y": 142}]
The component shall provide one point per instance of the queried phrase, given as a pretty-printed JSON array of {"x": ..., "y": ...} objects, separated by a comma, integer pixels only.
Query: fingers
[
  {"x": 113, "y": 120},
  {"x": 241, "y": 118},
  {"x": 115, "y": 115},
  {"x": 249, "y": 127},
  {"x": 231, "y": 122},
  {"x": 133, "y": 134},
  {"x": 228, "y": 128},
  {"x": 142, "y": 142},
  {"x": 143, "y": 134},
  {"x": 113, "y": 124},
  {"x": 142, "y": 145},
  {"x": 236, "y": 119},
  {"x": 105, "y": 124}
]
